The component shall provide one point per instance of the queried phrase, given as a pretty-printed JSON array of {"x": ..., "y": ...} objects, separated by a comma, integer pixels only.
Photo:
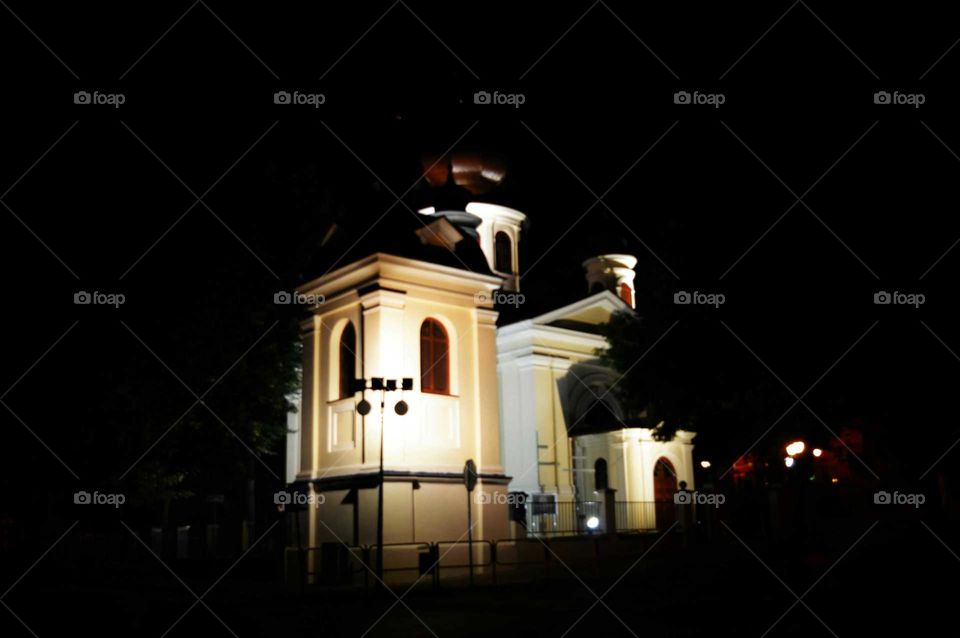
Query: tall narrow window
[
  {"x": 503, "y": 252},
  {"x": 434, "y": 358},
  {"x": 348, "y": 360},
  {"x": 600, "y": 480}
]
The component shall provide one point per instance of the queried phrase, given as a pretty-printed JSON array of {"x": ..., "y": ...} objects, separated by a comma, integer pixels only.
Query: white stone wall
[{"x": 433, "y": 440}]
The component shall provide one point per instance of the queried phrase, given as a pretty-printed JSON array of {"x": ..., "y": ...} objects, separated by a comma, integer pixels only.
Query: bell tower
[
  {"x": 614, "y": 273},
  {"x": 499, "y": 236}
]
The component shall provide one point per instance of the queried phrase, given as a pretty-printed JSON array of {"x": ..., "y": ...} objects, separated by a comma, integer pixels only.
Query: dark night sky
[
  {"x": 106, "y": 199},
  {"x": 796, "y": 103}
]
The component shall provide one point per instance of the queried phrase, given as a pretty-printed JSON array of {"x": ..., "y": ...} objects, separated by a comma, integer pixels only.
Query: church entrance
[
  {"x": 664, "y": 487},
  {"x": 664, "y": 480}
]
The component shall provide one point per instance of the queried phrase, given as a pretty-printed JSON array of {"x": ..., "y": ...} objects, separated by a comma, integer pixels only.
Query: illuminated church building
[{"x": 524, "y": 397}]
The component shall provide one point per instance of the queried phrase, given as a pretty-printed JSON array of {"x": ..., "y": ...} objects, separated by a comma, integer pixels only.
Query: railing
[
  {"x": 454, "y": 557},
  {"x": 447, "y": 562},
  {"x": 640, "y": 516},
  {"x": 335, "y": 564},
  {"x": 564, "y": 518},
  {"x": 572, "y": 518}
]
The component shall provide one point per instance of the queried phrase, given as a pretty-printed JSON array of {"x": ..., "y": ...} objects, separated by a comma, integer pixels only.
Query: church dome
[{"x": 476, "y": 172}]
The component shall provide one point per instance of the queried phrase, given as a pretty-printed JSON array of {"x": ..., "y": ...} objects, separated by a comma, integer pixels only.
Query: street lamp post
[{"x": 384, "y": 386}]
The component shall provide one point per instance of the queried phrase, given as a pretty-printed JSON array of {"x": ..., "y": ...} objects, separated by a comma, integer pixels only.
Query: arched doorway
[
  {"x": 664, "y": 480},
  {"x": 664, "y": 487}
]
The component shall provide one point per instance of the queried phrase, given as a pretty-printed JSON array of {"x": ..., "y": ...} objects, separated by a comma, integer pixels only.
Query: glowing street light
[
  {"x": 593, "y": 522},
  {"x": 788, "y": 461},
  {"x": 705, "y": 465},
  {"x": 795, "y": 448},
  {"x": 817, "y": 452}
]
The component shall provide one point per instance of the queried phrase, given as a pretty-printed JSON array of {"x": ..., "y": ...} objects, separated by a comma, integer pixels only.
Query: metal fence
[
  {"x": 432, "y": 565},
  {"x": 565, "y": 518},
  {"x": 642, "y": 516},
  {"x": 572, "y": 518},
  {"x": 576, "y": 529}
]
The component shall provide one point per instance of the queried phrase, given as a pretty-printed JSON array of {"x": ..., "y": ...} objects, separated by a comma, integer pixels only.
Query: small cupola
[
  {"x": 457, "y": 181},
  {"x": 614, "y": 273},
  {"x": 499, "y": 236}
]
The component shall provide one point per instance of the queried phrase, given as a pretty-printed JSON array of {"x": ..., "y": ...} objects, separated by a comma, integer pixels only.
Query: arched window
[
  {"x": 434, "y": 358},
  {"x": 503, "y": 252},
  {"x": 348, "y": 360},
  {"x": 600, "y": 480}
]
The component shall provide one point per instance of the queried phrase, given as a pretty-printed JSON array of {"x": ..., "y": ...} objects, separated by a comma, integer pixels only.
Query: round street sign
[{"x": 470, "y": 475}]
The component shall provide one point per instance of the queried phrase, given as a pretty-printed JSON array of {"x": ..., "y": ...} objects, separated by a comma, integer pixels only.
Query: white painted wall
[{"x": 387, "y": 299}]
